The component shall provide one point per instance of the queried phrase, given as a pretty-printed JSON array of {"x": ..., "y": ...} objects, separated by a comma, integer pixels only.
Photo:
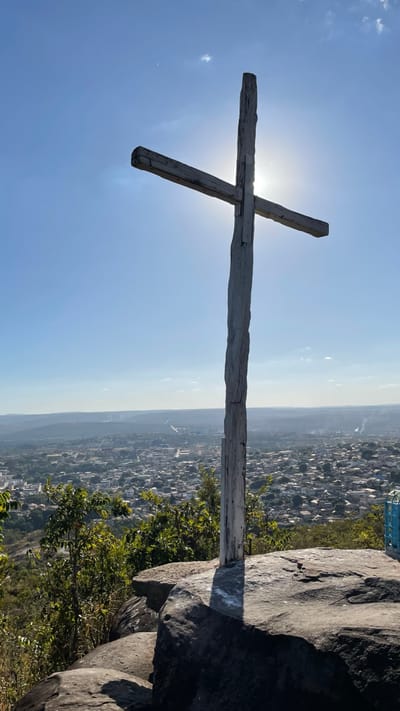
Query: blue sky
[{"x": 113, "y": 281}]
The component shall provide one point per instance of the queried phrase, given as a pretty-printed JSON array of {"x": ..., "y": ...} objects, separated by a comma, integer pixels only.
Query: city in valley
[{"x": 319, "y": 465}]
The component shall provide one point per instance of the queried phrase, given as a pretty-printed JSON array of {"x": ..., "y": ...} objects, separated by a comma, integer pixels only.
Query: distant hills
[{"x": 357, "y": 421}]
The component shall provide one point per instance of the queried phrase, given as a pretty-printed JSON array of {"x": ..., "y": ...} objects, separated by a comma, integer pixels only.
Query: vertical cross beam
[
  {"x": 241, "y": 195},
  {"x": 233, "y": 451}
]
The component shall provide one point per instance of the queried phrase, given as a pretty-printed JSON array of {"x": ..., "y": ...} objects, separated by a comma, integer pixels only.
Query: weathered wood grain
[
  {"x": 177, "y": 172},
  {"x": 237, "y": 351},
  {"x": 183, "y": 174},
  {"x": 289, "y": 218}
]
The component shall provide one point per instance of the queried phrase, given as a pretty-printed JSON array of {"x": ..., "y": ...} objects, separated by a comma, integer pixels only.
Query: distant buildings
[{"x": 322, "y": 481}]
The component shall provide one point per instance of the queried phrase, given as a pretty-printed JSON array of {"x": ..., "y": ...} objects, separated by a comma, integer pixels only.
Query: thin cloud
[
  {"x": 206, "y": 58},
  {"x": 328, "y": 358},
  {"x": 329, "y": 18},
  {"x": 374, "y": 3},
  {"x": 367, "y": 24},
  {"x": 331, "y": 28}
]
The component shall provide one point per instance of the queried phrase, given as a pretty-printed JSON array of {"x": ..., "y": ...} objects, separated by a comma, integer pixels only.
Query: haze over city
[{"x": 113, "y": 281}]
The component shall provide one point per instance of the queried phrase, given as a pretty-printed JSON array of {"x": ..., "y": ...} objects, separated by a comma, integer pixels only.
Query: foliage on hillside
[
  {"x": 86, "y": 574},
  {"x": 59, "y": 603},
  {"x": 6, "y": 505},
  {"x": 365, "y": 532}
]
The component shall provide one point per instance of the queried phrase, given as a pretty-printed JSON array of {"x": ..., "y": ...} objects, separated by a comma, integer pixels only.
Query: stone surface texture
[
  {"x": 296, "y": 630},
  {"x": 155, "y": 584},
  {"x": 132, "y": 655},
  {"x": 87, "y": 689},
  {"x": 134, "y": 616}
]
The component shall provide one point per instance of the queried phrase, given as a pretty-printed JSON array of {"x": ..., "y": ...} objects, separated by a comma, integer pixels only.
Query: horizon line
[{"x": 195, "y": 409}]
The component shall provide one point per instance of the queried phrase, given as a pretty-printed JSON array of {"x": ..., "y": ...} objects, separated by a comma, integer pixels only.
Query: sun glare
[{"x": 260, "y": 183}]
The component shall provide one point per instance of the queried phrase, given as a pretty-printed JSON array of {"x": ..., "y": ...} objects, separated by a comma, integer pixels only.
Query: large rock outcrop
[
  {"x": 88, "y": 689},
  {"x": 155, "y": 584},
  {"x": 132, "y": 654},
  {"x": 116, "y": 675},
  {"x": 134, "y": 616},
  {"x": 292, "y": 631},
  {"x": 152, "y": 587}
]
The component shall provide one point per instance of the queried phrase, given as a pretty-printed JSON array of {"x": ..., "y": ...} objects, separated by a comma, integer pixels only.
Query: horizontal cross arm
[
  {"x": 183, "y": 174},
  {"x": 265, "y": 208}
]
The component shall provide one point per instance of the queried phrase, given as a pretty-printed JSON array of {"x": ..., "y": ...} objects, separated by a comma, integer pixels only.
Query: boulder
[
  {"x": 87, "y": 689},
  {"x": 155, "y": 584},
  {"x": 290, "y": 631},
  {"x": 133, "y": 616},
  {"x": 139, "y": 613},
  {"x": 132, "y": 654}
]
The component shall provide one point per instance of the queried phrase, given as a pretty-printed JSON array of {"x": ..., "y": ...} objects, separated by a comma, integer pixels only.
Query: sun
[{"x": 260, "y": 183}]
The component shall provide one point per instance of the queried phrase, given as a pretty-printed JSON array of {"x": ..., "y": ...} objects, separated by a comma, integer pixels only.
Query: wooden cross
[{"x": 241, "y": 195}]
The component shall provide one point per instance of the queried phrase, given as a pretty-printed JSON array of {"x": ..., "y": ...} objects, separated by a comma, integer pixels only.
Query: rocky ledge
[
  {"x": 297, "y": 630},
  {"x": 88, "y": 689},
  {"x": 290, "y": 631}
]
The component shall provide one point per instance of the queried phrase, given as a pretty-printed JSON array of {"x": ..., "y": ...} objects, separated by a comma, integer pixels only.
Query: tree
[
  {"x": 297, "y": 501},
  {"x": 173, "y": 532},
  {"x": 327, "y": 468},
  {"x": 365, "y": 532},
  {"x": 86, "y": 575},
  {"x": 262, "y": 534},
  {"x": 368, "y": 453},
  {"x": 190, "y": 530},
  {"x": 209, "y": 490},
  {"x": 185, "y": 531},
  {"x": 6, "y": 505}
]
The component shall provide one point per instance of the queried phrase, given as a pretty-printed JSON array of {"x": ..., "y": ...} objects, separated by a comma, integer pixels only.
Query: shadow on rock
[{"x": 127, "y": 695}]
